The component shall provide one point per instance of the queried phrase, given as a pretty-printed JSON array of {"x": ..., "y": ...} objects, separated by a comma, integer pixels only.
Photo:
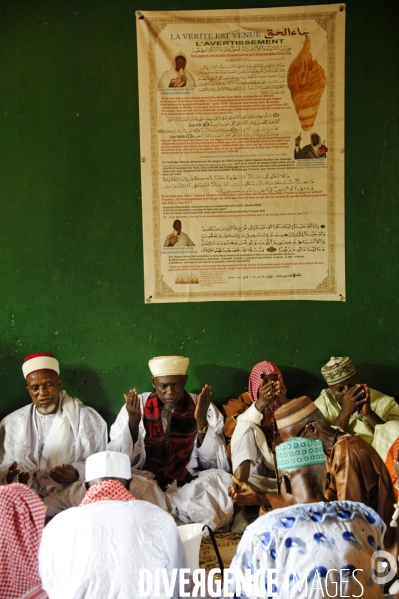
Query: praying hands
[
  {"x": 180, "y": 81},
  {"x": 201, "y": 411},
  {"x": 16, "y": 476},
  {"x": 134, "y": 411},
  {"x": 243, "y": 494},
  {"x": 64, "y": 475},
  {"x": 270, "y": 391}
]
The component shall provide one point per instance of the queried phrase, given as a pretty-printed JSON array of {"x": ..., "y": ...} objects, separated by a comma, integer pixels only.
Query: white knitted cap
[{"x": 107, "y": 464}]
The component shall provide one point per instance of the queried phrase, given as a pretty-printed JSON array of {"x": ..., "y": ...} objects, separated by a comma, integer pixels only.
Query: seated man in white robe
[
  {"x": 255, "y": 434},
  {"x": 176, "y": 446},
  {"x": 45, "y": 444},
  {"x": 96, "y": 550},
  {"x": 356, "y": 408}
]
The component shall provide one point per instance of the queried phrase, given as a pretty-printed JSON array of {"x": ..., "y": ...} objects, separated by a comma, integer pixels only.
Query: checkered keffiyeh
[
  {"x": 36, "y": 593},
  {"x": 299, "y": 452},
  {"x": 22, "y": 517},
  {"x": 255, "y": 380},
  {"x": 105, "y": 490}
]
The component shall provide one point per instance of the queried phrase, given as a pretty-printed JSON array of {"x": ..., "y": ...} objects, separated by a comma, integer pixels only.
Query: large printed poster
[{"x": 242, "y": 153}]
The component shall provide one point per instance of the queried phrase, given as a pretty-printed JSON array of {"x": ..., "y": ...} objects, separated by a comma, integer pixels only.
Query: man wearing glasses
[
  {"x": 313, "y": 547},
  {"x": 355, "y": 471}
]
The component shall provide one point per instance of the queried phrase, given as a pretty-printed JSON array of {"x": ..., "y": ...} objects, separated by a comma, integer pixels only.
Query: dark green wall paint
[{"x": 71, "y": 238}]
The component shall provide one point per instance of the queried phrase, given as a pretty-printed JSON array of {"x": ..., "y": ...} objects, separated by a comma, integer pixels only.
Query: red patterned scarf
[
  {"x": 105, "y": 490},
  {"x": 36, "y": 593},
  {"x": 169, "y": 461},
  {"x": 265, "y": 367},
  {"x": 21, "y": 523}
]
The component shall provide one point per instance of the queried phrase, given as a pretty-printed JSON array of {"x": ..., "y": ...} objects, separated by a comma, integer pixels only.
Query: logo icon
[{"x": 383, "y": 563}]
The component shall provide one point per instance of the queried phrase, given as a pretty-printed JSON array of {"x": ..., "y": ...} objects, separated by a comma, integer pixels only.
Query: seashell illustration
[{"x": 306, "y": 81}]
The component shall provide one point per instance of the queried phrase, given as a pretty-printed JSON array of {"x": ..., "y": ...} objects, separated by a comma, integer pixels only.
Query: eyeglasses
[
  {"x": 307, "y": 426},
  {"x": 280, "y": 479}
]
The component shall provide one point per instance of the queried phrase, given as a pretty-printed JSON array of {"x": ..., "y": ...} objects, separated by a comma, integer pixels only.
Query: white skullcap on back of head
[
  {"x": 40, "y": 361},
  {"x": 168, "y": 365},
  {"x": 107, "y": 464}
]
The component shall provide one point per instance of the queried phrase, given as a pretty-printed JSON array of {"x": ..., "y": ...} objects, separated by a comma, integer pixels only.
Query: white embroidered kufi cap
[
  {"x": 40, "y": 361},
  {"x": 338, "y": 370},
  {"x": 107, "y": 464},
  {"x": 168, "y": 365}
]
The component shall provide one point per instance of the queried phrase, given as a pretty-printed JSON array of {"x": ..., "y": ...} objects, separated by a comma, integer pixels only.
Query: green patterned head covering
[{"x": 299, "y": 452}]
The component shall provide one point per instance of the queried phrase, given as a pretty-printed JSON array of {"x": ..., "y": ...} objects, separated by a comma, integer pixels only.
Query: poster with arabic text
[{"x": 242, "y": 153}]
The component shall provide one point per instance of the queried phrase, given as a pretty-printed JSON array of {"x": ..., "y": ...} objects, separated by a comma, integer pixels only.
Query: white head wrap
[{"x": 168, "y": 365}]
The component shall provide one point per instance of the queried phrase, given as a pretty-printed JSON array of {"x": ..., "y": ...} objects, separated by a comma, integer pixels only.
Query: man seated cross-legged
[
  {"x": 251, "y": 424},
  {"x": 175, "y": 443},
  {"x": 45, "y": 444}
]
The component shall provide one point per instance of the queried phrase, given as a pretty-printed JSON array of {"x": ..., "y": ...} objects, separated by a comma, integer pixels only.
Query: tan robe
[
  {"x": 232, "y": 409},
  {"x": 357, "y": 473}
]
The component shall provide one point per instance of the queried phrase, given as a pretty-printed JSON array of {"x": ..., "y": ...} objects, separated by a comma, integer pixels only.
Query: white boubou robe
[
  {"x": 76, "y": 433},
  {"x": 96, "y": 551},
  {"x": 205, "y": 499}
]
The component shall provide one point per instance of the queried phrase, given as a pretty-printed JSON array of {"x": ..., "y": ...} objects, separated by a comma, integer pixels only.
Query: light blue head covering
[{"x": 299, "y": 452}]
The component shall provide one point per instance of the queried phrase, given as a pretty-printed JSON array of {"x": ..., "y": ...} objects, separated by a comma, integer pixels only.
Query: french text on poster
[{"x": 242, "y": 147}]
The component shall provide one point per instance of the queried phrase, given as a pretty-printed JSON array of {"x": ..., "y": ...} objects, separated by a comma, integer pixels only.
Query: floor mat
[{"x": 227, "y": 544}]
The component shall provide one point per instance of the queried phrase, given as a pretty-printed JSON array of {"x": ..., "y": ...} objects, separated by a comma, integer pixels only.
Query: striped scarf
[{"x": 168, "y": 458}]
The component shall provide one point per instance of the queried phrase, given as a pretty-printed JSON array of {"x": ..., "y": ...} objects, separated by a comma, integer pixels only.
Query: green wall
[{"x": 71, "y": 238}]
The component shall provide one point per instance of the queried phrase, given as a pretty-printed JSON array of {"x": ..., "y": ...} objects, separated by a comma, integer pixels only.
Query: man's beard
[
  {"x": 170, "y": 406},
  {"x": 44, "y": 411}
]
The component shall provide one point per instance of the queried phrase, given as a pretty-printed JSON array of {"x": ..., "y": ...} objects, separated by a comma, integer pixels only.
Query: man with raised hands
[{"x": 176, "y": 446}]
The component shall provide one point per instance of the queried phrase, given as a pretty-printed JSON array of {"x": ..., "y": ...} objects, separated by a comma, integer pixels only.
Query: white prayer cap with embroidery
[
  {"x": 107, "y": 464},
  {"x": 168, "y": 365},
  {"x": 40, "y": 361}
]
